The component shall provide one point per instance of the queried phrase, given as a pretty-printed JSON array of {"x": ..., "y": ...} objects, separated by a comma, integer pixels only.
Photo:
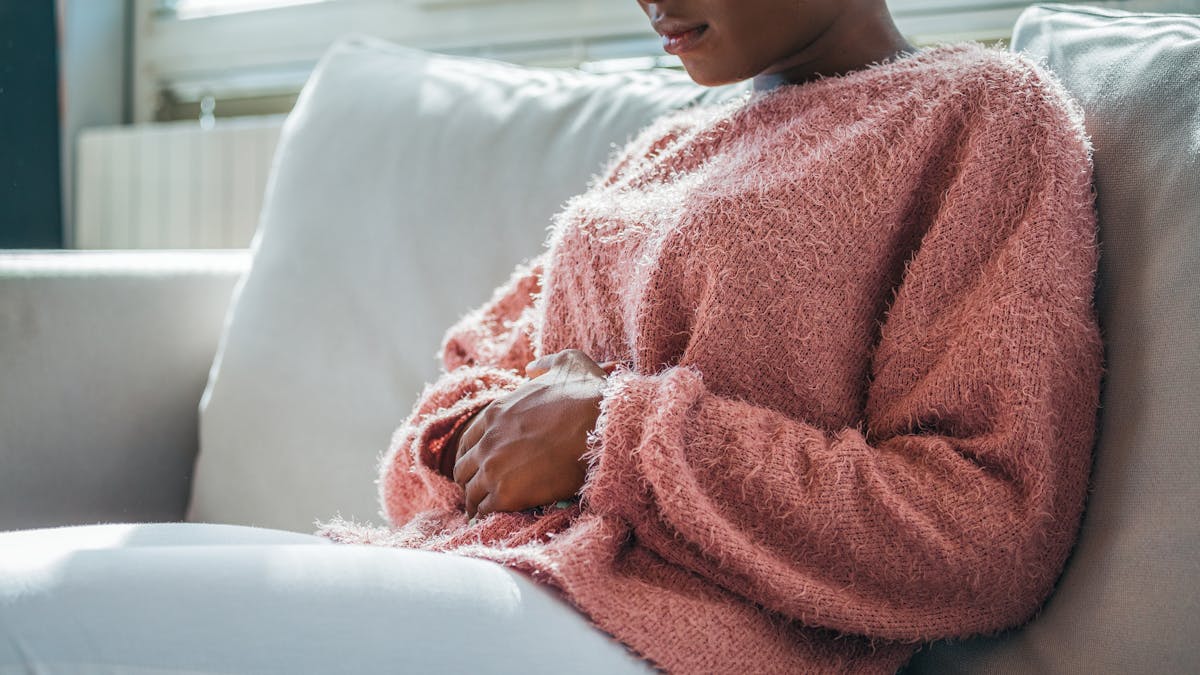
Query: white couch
[{"x": 405, "y": 187}]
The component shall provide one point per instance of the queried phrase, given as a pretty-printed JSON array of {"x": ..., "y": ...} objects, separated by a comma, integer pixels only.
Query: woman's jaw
[{"x": 774, "y": 41}]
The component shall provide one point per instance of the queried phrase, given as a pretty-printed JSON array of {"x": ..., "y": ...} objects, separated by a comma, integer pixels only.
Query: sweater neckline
[
  {"x": 872, "y": 71},
  {"x": 714, "y": 122}
]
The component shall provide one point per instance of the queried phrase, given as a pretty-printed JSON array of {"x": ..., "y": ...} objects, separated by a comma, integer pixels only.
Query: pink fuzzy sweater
[{"x": 861, "y": 373}]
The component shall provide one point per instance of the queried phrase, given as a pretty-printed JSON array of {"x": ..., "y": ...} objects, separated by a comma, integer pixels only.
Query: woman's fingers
[
  {"x": 465, "y": 467},
  {"x": 472, "y": 433},
  {"x": 474, "y": 494},
  {"x": 536, "y": 368},
  {"x": 486, "y": 505},
  {"x": 541, "y": 366}
]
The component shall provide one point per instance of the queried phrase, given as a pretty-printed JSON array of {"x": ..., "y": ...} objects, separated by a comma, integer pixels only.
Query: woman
[{"x": 801, "y": 381}]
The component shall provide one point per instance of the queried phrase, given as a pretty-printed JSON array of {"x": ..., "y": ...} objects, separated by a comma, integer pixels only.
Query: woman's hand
[{"x": 525, "y": 449}]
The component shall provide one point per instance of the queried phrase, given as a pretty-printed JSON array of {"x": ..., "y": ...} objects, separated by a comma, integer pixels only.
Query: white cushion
[
  {"x": 103, "y": 355},
  {"x": 406, "y": 186},
  {"x": 1129, "y": 599}
]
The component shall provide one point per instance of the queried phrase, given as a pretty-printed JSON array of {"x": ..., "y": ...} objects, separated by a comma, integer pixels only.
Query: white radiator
[{"x": 173, "y": 185}]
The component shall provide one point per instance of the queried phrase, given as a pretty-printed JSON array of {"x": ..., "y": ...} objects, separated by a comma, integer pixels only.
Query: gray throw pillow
[{"x": 1129, "y": 599}]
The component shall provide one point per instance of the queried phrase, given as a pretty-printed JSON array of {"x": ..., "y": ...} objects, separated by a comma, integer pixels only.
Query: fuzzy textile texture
[{"x": 859, "y": 382}]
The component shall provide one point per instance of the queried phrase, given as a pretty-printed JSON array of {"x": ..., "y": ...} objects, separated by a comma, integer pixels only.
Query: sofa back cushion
[
  {"x": 406, "y": 186},
  {"x": 1129, "y": 599}
]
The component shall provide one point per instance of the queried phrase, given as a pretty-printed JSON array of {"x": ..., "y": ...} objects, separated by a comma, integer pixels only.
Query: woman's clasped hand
[{"x": 525, "y": 449}]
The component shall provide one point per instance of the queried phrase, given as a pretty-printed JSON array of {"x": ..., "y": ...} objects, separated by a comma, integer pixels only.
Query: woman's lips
[{"x": 677, "y": 43}]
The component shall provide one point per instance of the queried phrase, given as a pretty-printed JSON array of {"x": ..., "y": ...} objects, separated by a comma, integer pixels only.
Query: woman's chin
[{"x": 707, "y": 78}]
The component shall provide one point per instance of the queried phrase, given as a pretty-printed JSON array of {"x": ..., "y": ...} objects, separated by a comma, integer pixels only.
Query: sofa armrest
[{"x": 103, "y": 358}]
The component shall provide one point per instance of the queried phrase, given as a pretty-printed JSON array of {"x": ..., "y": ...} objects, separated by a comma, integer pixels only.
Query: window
[
  {"x": 253, "y": 56},
  {"x": 256, "y": 61},
  {"x": 199, "y": 9}
]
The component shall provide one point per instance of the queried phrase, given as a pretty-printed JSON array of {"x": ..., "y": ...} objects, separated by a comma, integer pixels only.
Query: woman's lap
[{"x": 187, "y": 597}]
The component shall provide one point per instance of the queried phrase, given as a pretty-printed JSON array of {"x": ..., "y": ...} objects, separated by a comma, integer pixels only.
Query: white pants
[{"x": 196, "y": 598}]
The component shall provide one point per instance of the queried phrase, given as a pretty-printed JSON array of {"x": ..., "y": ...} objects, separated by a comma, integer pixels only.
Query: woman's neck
[{"x": 850, "y": 43}]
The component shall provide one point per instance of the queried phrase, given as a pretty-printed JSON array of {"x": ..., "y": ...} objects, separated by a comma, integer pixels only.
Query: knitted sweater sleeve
[
  {"x": 483, "y": 357},
  {"x": 951, "y": 511}
]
